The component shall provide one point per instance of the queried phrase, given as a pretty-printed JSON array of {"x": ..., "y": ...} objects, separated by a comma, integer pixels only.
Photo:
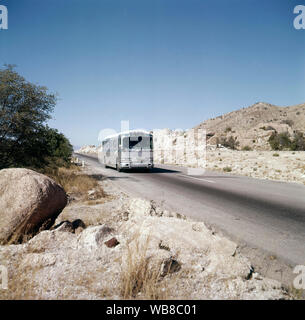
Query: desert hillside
[{"x": 253, "y": 126}]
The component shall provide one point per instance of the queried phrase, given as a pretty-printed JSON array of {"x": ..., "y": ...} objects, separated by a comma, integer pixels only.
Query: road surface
[{"x": 263, "y": 214}]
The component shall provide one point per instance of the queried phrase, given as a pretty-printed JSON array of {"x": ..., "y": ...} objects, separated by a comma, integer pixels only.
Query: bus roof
[{"x": 127, "y": 133}]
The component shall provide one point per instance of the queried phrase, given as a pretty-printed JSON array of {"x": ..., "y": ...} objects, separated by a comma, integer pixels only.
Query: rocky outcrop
[
  {"x": 29, "y": 202},
  {"x": 185, "y": 148},
  {"x": 192, "y": 261},
  {"x": 90, "y": 149},
  {"x": 253, "y": 126}
]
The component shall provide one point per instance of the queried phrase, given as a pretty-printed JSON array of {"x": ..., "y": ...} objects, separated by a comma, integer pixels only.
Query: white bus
[{"x": 128, "y": 150}]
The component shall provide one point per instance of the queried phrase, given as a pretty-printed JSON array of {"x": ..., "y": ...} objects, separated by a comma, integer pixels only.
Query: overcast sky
[{"x": 157, "y": 63}]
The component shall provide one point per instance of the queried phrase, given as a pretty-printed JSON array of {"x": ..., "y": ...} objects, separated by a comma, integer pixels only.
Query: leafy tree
[
  {"x": 24, "y": 139},
  {"x": 58, "y": 148}
]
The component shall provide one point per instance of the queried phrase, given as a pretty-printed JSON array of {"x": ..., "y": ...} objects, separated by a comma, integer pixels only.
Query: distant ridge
[{"x": 253, "y": 126}]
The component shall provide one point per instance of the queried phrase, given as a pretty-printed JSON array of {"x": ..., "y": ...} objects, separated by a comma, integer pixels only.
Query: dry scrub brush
[
  {"x": 140, "y": 278},
  {"x": 76, "y": 183}
]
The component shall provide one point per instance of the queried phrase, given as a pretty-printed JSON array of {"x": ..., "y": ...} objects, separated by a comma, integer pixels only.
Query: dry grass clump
[
  {"x": 76, "y": 183},
  {"x": 139, "y": 278},
  {"x": 297, "y": 294},
  {"x": 21, "y": 283}
]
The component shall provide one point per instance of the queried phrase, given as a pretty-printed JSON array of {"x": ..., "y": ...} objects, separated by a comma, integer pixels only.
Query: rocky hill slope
[
  {"x": 88, "y": 149},
  {"x": 254, "y": 125}
]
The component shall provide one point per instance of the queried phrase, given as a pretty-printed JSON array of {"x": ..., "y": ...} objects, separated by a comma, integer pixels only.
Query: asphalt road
[{"x": 263, "y": 214}]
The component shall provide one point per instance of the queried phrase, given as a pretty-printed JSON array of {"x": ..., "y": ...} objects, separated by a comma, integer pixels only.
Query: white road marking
[{"x": 185, "y": 176}]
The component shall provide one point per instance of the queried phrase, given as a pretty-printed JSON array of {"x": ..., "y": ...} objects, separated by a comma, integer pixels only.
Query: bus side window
[{"x": 107, "y": 145}]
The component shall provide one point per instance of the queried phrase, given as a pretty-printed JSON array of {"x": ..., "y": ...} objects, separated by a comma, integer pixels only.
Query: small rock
[
  {"x": 78, "y": 223},
  {"x": 163, "y": 246},
  {"x": 79, "y": 230},
  {"x": 78, "y": 226},
  {"x": 169, "y": 265},
  {"x": 113, "y": 242},
  {"x": 65, "y": 226},
  {"x": 102, "y": 233},
  {"x": 125, "y": 216}
]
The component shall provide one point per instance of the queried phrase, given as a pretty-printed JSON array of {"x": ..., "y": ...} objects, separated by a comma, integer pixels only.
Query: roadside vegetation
[
  {"x": 25, "y": 139},
  {"x": 77, "y": 184}
]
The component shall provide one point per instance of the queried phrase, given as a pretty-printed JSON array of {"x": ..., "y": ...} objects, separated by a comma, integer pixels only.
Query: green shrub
[
  {"x": 281, "y": 141},
  {"x": 298, "y": 142},
  {"x": 246, "y": 148},
  {"x": 230, "y": 143}
]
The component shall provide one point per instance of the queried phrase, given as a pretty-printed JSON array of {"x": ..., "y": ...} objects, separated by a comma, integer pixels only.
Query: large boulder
[{"x": 29, "y": 202}]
